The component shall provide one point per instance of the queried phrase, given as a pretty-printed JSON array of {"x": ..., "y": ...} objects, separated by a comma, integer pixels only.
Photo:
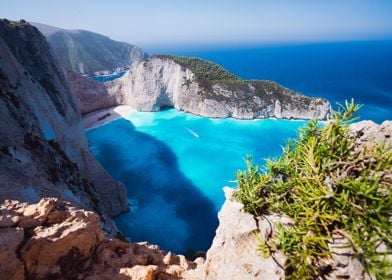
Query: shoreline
[{"x": 103, "y": 116}]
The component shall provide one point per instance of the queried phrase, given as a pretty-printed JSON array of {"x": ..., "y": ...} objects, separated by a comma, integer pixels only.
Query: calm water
[
  {"x": 108, "y": 77},
  {"x": 174, "y": 166},
  {"x": 336, "y": 71}
]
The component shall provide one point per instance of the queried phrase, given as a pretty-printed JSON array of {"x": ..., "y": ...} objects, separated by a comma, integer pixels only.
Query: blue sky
[{"x": 213, "y": 21}]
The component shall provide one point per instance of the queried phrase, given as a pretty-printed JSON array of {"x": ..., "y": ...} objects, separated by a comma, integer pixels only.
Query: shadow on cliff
[{"x": 166, "y": 208}]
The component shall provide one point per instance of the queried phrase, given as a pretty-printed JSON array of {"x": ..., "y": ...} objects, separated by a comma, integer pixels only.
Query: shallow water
[{"x": 174, "y": 166}]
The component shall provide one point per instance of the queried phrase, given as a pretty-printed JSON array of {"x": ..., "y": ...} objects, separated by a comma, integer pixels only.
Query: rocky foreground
[{"x": 54, "y": 240}]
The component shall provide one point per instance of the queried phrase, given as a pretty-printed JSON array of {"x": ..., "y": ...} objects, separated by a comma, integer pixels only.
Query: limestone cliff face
[
  {"x": 44, "y": 151},
  {"x": 160, "y": 82},
  {"x": 233, "y": 253},
  {"x": 92, "y": 95}
]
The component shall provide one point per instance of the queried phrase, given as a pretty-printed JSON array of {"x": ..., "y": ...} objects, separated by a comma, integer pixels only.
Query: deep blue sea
[{"x": 174, "y": 164}]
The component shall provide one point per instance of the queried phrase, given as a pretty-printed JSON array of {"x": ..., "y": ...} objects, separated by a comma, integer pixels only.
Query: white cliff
[
  {"x": 161, "y": 81},
  {"x": 233, "y": 253}
]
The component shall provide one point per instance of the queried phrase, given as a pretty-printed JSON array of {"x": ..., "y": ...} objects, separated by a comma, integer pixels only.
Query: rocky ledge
[
  {"x": 234, "y": 255},
  {"x": 54, "y": 240},
  {"x": 198, "y": 87}
]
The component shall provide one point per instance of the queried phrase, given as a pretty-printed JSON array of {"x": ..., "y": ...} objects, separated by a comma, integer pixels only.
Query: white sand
[{"x": 91, "y": 120}]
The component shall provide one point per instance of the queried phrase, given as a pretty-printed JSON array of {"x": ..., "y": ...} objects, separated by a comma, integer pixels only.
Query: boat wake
[{"x": 192, "y": 132}]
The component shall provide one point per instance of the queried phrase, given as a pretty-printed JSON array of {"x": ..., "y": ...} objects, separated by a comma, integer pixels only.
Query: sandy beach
[{"x": 101, "y": 117}]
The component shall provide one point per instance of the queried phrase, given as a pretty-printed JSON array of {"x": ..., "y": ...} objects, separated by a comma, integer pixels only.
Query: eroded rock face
[
  {"x": 11, "y": 267},
  {"x": 43, "y": 148},
  {"x": 368, "y": 134},
  {"x": 233, "y": 252},
  {"x": 54, "y": 240},
  {"x": 160, "y": 82},
  {"x": 92, "y": 95}
]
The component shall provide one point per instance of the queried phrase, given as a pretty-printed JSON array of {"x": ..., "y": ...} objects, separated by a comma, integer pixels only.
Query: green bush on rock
[
  {"x": 207, "y": 73},
  {"x": 328, "y": 186}
]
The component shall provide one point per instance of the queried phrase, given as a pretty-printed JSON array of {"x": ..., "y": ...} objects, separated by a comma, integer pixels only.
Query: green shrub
[
  {"x": 327, "y": 186},
  {"x": 207, "y": 73}
]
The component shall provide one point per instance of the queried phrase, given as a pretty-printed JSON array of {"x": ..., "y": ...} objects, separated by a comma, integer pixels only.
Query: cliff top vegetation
[
  {"x": 327, "y": 185},
  {"x": 209, "y": 74},
  {"x": 206, "y": 72}
]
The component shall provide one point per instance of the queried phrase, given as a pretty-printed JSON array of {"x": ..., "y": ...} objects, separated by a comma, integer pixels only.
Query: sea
[{"x": 174, "y": 165}]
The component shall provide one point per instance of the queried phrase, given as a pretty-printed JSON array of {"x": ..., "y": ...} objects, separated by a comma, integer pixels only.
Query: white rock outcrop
[
  {"x": 368, "y": 133},
  {"x": 233, "y": 253},
  {"x": 160, "y": 82}
]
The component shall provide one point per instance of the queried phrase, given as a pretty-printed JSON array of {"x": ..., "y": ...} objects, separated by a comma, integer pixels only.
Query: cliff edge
[
  {"x": 43, "y": 148},
  {"x": 54, "y": 240}
]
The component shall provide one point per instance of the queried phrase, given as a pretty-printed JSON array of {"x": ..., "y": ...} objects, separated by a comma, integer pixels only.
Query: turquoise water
[
  {"x": 108, "y": 77},
  {"x": 174, "y": 166}
]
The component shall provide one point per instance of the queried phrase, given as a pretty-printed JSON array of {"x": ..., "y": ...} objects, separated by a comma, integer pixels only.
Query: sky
[{"x": 149, "y": 22}]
